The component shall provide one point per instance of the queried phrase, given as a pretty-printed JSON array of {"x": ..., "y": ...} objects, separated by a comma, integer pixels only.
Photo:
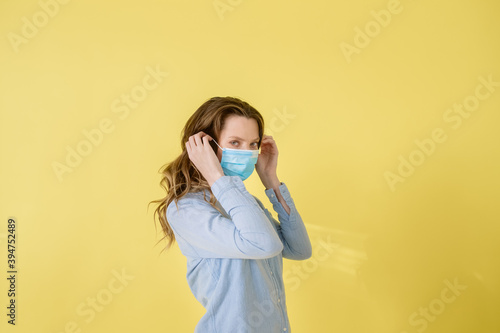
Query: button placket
[{"x": 277, "y": 292}]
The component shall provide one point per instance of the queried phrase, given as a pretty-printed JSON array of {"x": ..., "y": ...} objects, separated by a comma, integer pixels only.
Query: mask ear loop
[{"x": 217, "y": 144}]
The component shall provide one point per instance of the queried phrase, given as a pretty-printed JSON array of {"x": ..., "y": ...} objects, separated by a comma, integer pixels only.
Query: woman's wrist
[
  {"x": 272, "y": 182},
  {"x": 213, "y": 178}
]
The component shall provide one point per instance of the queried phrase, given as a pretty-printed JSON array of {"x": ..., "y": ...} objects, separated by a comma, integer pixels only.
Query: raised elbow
[
  {"x": 306, "y": 254},
  {"x": 302, "y": 254}
]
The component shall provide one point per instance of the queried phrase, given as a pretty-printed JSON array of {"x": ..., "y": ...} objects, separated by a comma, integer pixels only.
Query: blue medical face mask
[{"x": 238, "y": 162}]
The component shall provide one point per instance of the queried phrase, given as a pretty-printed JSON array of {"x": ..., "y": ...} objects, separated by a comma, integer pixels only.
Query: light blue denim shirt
[{"x": 235, "y": 260}]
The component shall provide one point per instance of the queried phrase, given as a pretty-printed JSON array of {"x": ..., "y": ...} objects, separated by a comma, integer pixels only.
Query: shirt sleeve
[
  {"x": 291, "y": 228},
  {"x": 247, "y": 234}
]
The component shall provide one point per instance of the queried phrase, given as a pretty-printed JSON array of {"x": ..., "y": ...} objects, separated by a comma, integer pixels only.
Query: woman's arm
[
  {"x": 275, "y": 186},
  {"x": 202, "y": 231},
  {"x": 291, "y": 228}
]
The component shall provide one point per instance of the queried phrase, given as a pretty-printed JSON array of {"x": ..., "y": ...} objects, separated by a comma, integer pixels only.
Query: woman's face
[{"x": 238, "y": 133}]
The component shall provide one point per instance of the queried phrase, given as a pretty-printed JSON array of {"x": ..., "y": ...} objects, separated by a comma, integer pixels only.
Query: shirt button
[
  {"x": 271, "y": 272},
  {"x": 279, "y": 300},
  {"x": 284, "y": 328}
]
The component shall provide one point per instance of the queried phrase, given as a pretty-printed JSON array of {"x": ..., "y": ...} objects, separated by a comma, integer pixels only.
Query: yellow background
[{"x": 381, "y": 254}]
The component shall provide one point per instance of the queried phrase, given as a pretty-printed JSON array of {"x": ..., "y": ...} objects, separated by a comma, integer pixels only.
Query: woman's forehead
[{"x": 241, "y": 128}]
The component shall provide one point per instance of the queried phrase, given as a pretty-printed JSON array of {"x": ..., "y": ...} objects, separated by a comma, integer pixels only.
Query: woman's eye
[{"x": 235, "y": 143}]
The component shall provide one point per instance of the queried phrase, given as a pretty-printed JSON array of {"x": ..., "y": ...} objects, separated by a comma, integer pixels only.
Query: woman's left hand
[{"x": 267, "y": 162}]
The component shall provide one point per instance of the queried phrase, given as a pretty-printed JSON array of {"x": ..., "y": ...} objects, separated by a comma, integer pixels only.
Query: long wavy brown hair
[{"x": 180, "y": 176}]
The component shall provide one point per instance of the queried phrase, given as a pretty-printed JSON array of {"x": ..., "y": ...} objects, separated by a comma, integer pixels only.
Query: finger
[
  {"x": 204, "y": 141},
  {"x": 206, "y": 137},
  {"x": 201, "y": 134},
  {"x": 197, "y": 139},
  {"x": 192, "y": 142}
]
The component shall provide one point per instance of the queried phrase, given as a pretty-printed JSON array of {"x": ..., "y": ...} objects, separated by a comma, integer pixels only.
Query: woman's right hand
[{"x": 203, "y": 157}]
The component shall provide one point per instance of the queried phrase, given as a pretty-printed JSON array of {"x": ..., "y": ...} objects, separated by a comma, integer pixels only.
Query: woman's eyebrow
[{"x": 237, "y": 137}]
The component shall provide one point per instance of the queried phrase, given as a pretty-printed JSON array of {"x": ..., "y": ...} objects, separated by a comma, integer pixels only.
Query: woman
[{"x": 233, "y": 245}]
